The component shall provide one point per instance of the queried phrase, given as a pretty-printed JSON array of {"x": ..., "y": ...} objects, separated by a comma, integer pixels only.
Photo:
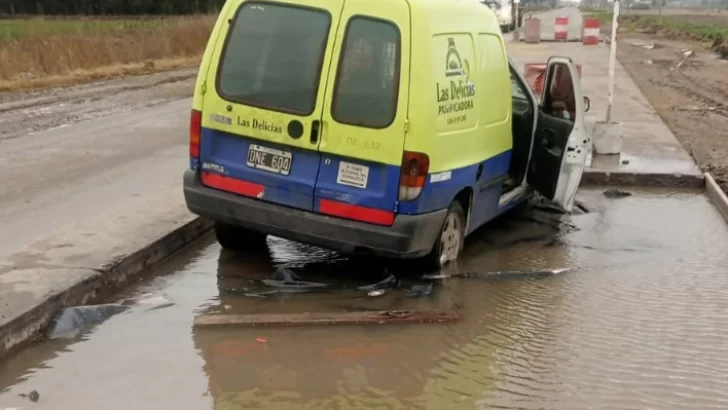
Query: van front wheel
[
  {"x": 239, "y": 239},
  {"x": 451, "y": 241}
]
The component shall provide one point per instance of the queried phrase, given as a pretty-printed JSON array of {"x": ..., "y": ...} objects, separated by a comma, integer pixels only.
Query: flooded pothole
[{"x": 635, "y": 322}]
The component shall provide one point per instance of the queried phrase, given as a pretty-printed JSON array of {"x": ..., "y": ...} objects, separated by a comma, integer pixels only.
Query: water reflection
[{"x": 505, "y": 327}]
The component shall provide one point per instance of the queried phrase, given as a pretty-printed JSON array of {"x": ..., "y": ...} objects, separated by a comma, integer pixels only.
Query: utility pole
[
  {"x": 659, "y": 10},
  {"x": 607, "y": 135},
  {"x": 612, "y": 60}
]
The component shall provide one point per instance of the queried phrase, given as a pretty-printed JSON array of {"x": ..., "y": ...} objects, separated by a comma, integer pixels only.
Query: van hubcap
[{"x": 450, "y": 239}]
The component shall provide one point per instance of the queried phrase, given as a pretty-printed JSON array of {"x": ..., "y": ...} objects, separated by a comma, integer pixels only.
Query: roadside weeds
[
  {"x": 65, "y": 58},
  {"x": 710, "y": 29},
  {"x": 98, "y": 74}
]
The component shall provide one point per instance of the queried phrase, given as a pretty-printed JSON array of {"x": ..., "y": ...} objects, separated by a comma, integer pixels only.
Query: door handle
[
  {"x": 479, "y": 172},
  {"x": 315, "y": 129}
]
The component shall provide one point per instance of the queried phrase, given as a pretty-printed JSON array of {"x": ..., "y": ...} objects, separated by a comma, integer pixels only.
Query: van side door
[
  {"x": 561, "y": 141},
  {"x": 365, "y": 113},
  {"x": 264, "y": 98}
]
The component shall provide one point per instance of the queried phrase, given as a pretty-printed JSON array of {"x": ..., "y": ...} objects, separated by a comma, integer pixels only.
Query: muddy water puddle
[{"x": 637, "y": 322}]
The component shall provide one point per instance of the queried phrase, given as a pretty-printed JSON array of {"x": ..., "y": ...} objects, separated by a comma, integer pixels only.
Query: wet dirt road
[
  {"x": 638, "y": 322},
  {"x": 688, "y": 91}
]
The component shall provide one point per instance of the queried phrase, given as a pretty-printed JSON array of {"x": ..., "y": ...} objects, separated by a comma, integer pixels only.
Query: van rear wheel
[
  {"x": 451, "y": 241},
  {"x": 239, "y": 239}
]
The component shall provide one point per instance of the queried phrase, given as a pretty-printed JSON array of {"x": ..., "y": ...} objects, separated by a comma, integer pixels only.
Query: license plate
[{"x": 269, "y": 159}]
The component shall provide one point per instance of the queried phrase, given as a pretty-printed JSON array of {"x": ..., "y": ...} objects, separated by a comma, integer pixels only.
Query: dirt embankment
[
  {"x": 687, "y": 83},
  {"x": 26, "y": 112},
  {"x": 712, "y": 29}
]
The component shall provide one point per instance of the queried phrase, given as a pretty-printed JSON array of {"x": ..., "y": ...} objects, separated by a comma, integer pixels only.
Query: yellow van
[{"x": 391, "y": 128}]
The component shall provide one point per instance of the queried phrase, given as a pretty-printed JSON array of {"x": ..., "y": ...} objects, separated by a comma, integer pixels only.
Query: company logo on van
[
  {"x": 261, "y": 125},
  {"x": 455, "y": 96},
  {"x": 209, "y": 166},
  {"x": 221, "y": 119},
  {"x": 453, "y": 62}
]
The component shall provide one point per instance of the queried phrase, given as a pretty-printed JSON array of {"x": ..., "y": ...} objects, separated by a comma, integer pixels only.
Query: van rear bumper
[{"x": 411, "y": 236}]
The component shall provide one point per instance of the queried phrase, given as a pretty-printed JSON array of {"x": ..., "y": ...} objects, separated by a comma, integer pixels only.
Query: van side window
[
  {"x": 367, "y": 82},
  {"x": 517, "y": 90},
  {"x": 272, "y": 58},
  {"x": 559, "y": 100}
]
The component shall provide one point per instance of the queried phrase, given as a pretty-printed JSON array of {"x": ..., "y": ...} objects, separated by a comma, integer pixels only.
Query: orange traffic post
[
  {"x": 590, "y": 36},
  {"x": 561, "y": 28}
]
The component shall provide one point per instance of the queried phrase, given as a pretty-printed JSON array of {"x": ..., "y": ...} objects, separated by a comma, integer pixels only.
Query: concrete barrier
[
  {"x": 569, "y": 20},
  {"x": 532, "y": 31},
  {"x": 590, "y": 33},
  {"x": 561, "y": 28}
]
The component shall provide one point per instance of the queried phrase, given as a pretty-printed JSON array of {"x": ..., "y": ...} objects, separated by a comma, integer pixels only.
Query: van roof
[{"x": 442, "y": 15}]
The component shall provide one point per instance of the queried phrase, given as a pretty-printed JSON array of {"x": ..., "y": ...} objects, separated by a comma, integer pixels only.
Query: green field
[
  {"x": 19, "y": 28},
  {"x": 699, "y": 26}
]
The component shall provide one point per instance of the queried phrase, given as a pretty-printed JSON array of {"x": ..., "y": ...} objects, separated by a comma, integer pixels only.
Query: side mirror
[{"x": 587, "y": 104}]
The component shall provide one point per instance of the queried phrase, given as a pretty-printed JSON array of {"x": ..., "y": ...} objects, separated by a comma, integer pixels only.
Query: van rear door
[
  {"x": 561, "y": 142},
  {"x": 263, "y": 99},
  {"x": 365, "y": 113}
]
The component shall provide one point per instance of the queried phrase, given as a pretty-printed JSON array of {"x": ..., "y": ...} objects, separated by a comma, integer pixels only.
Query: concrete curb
[
  {"x": 634, "y": 179},
  {"x": 26, "y": 327},
  {"x": 719, "y": 198}
]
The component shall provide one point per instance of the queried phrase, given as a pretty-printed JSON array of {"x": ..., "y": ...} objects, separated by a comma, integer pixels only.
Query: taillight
[
  {"x": 413, "y": 174},
  {"x": 195, "y": 131}
]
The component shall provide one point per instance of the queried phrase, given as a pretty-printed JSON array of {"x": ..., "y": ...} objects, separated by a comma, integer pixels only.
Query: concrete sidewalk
[
  {"x": 86, "y": 207},
  {"x": 651, "y": 154}
]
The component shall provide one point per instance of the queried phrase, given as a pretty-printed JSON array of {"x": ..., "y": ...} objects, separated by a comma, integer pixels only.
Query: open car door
[{"x": 560, "y": 142}]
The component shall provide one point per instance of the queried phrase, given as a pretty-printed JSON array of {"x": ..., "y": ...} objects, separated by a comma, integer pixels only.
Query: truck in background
[{"x": 505, "y": 11}]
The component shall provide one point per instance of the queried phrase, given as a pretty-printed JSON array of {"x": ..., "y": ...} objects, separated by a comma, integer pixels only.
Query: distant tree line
[{"x": 108, "y": 7}]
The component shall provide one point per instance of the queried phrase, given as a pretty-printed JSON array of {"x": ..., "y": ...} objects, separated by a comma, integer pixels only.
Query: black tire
[
  {"x": 435, "y": 260},
  {"x": 239, "y": 239}
]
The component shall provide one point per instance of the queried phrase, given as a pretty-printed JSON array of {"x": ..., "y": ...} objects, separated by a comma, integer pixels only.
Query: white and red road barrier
[
  {"x": 534, "y": 74},
  {"x": 590, "y": 32},
  {"x": 561, "y": 28}
]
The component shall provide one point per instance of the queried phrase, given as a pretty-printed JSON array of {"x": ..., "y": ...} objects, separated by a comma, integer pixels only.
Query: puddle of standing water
[{"x": 638, "y": 323}]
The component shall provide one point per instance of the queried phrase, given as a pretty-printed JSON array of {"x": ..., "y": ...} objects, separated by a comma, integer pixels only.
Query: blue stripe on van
[
  {"x": 312, "y": 179},
  {"x": 382, "y": 189},
  {"x": 383, "y": 185},
  {"x": 228, "y": 153},
  {"x": 438, "y": 195}
]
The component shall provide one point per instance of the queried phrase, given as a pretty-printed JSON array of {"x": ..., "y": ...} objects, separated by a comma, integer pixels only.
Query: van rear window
[
  {"x": 272, "y": 57},
  {"x": 368, "y": 77}
]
